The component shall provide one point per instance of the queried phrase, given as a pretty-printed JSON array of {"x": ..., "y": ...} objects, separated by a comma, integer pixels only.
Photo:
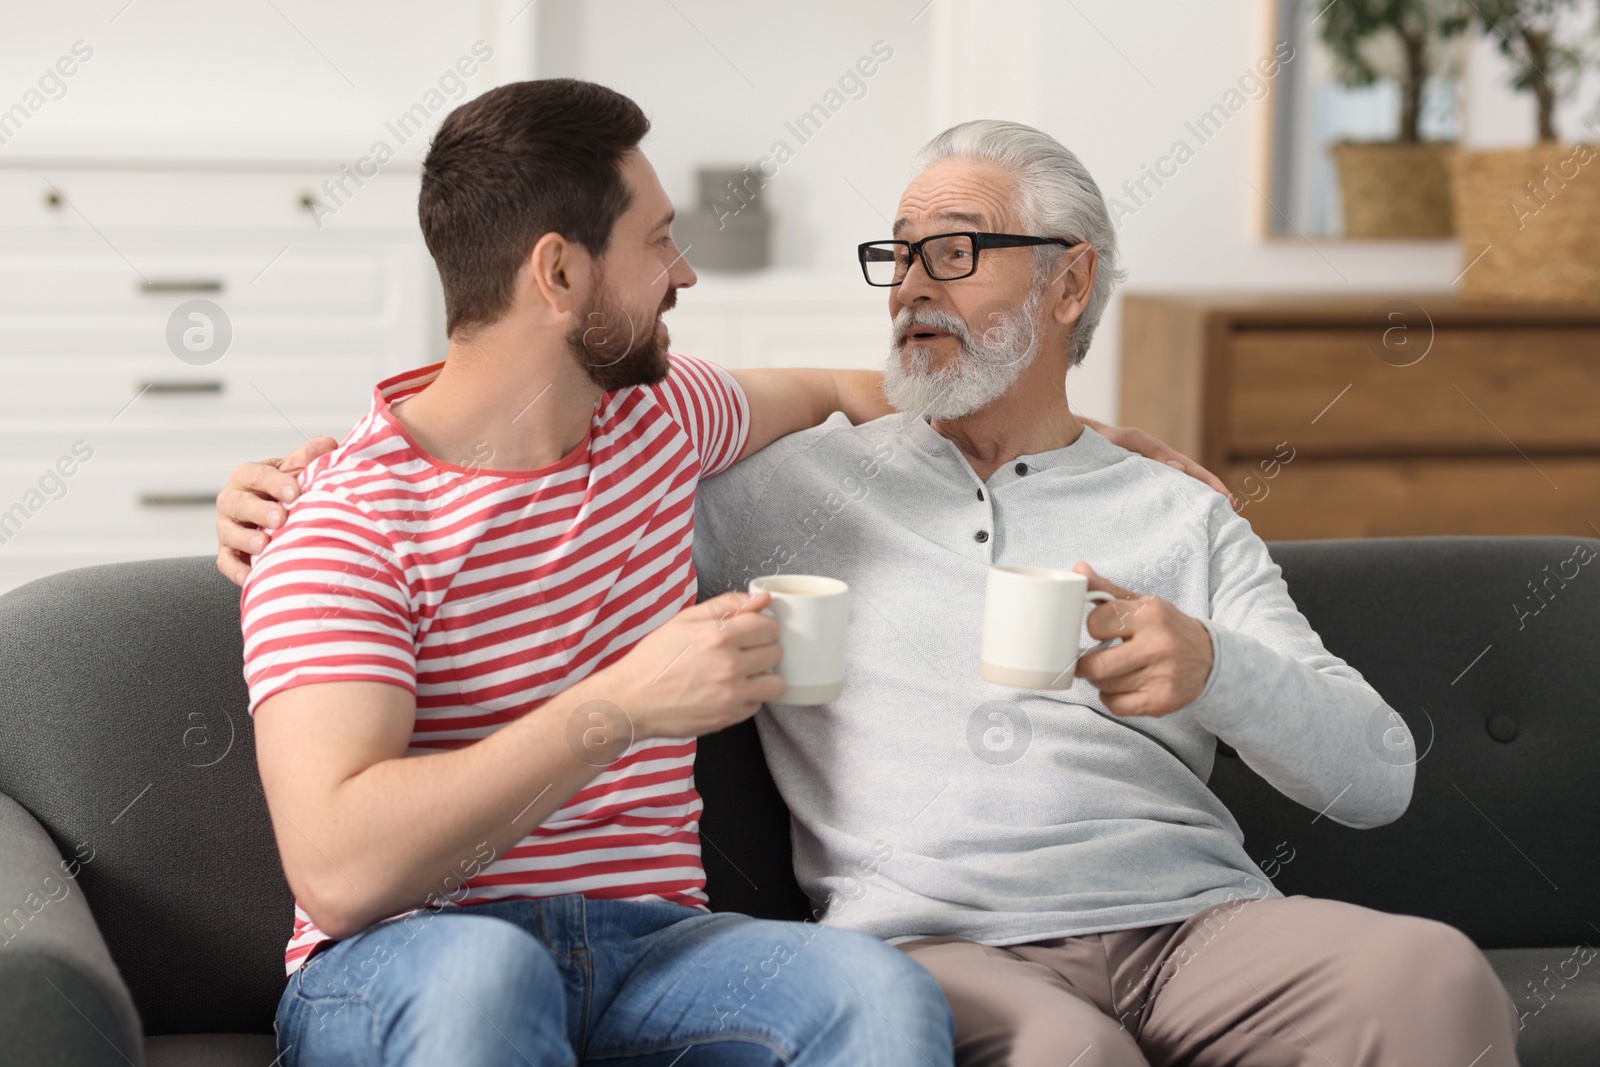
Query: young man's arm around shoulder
[
  {"x": 787, "y": 400},
  {"x": 782, "y": 401}
]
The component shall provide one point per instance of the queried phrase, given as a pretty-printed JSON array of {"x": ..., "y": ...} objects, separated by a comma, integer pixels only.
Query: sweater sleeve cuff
[{"x": 1218, "y": 707}]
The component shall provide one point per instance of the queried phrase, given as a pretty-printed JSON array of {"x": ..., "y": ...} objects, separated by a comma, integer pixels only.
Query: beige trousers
[{"x": 1251, "y": 983}]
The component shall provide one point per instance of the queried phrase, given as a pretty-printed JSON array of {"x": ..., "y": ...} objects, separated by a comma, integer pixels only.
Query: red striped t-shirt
[{"x": 486, "y": 592}]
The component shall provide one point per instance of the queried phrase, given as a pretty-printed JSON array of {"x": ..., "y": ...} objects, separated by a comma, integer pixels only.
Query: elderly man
[{"x": 1054, "y": 857}]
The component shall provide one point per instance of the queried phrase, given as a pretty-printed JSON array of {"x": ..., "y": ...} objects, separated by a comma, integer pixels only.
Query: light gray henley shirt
[{"x": 926, "y": 801}]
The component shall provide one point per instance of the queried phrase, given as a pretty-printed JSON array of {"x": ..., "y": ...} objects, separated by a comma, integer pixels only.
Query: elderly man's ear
[{"x": 1074, "y": 275}]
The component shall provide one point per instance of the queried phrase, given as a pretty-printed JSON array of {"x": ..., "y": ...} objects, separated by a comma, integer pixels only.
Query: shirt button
[
  {"x": 1021, "y": 468},
  {"x": 981, "y": 536},
  {"x": 980, "y": 494}
]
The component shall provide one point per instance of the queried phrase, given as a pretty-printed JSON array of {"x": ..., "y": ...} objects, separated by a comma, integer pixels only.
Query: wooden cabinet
[{"x": 1376, "y": 415}]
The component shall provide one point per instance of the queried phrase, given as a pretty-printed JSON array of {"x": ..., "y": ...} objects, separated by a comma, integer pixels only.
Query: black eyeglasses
[{"x": 945, "y": 256}]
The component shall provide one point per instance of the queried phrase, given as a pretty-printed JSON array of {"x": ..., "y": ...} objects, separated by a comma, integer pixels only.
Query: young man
[{"x": 492, "y": 860}]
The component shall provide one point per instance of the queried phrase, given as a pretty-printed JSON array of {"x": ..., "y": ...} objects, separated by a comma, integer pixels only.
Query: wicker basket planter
[
  {"x": 1533, "y": 214},
  {"x": 1395, "y": 190}
]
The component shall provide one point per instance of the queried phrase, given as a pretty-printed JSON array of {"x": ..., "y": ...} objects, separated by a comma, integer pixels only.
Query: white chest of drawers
[{"x": 95, "y": 260}]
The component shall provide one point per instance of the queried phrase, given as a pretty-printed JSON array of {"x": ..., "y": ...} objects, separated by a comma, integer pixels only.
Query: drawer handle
[
  {"x": 177, "y": 500},
  {"x": 181, "y": 285},
  {"x": 181, "y": 388}
]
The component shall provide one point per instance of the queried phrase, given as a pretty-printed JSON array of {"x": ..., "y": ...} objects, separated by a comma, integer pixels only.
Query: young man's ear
[
  {"x": 1074, "y": 273},
  {"x": 559, "y": 271}
]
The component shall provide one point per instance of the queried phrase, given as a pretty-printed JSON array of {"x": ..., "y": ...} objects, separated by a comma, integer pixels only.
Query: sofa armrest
[{"x": 62, "y": 1000}]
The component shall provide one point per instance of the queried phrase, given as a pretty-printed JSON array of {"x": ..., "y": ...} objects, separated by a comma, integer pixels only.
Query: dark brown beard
[{"x": 608, "y": 347}]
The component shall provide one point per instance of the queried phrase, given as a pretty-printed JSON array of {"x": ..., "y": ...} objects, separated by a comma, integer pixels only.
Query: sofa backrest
[
  {"x": 126, "y": 736},
  {"x": 123, "y": 706},
  {"x": 1490, "y": 649}
]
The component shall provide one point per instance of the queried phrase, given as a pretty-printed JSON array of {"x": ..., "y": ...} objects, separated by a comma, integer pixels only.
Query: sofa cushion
[
  {"x": 744, "y": 830},
  {"x": 1504, "y": 706},
  {"x": 211, "y": 1050},
  {"x": 1557, "y": 994}
]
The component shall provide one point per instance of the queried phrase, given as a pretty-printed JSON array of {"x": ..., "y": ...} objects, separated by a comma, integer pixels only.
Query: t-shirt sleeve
[
  {"x": 712, "y": 409},
  {"x": 326, "y": 601}
]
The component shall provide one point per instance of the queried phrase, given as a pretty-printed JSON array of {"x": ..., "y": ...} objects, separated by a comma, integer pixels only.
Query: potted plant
[
  {"x": 1398, "y": 188},
  {"x": 1529, "y": 218}
]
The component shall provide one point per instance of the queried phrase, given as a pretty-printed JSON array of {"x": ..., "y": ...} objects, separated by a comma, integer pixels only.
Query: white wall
[
  {"x": 1116, "y": 80},
  {"x": 720, "y": 79},
  {"x": 191, "y": 78},
  {"x": 1120, "y": 95}
]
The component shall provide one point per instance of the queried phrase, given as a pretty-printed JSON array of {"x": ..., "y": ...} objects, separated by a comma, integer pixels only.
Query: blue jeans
[{"x": 563, "y": 980}]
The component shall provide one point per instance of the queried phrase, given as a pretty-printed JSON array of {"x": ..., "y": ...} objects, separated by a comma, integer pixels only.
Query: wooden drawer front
[
  {"x": 1540, "y": 386},
  {"x": 1311, "y": 498}
]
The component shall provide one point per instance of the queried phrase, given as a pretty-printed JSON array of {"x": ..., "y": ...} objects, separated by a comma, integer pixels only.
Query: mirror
[{"x": 1336, "y": 166}]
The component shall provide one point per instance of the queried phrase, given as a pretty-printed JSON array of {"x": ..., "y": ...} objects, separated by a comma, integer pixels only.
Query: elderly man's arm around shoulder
[{"x": 1258, "y": 677}]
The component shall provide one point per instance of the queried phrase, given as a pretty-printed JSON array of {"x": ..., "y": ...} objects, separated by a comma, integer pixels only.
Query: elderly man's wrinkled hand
[
  {"x": 1163, "y": 661},
  {"x": 249, "y": 505}
]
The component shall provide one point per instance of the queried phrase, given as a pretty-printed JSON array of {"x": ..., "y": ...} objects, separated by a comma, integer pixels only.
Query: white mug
[
  {"x": 1031, "y": 618},
  {"x": 811, "y": 613}
]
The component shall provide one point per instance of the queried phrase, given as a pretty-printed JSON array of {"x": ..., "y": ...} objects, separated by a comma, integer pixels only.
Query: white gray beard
[{"x": 976, "y": 378}]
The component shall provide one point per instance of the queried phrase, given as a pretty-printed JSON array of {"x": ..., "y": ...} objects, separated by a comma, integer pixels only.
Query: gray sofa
[{"x": 144, "y": 912}]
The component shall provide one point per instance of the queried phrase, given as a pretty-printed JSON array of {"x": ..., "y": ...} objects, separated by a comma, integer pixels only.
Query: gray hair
[{"x": 1056, "y": 197}]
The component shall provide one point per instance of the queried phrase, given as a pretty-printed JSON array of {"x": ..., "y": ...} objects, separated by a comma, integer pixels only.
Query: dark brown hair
[{"x": 518, "y": 162}]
